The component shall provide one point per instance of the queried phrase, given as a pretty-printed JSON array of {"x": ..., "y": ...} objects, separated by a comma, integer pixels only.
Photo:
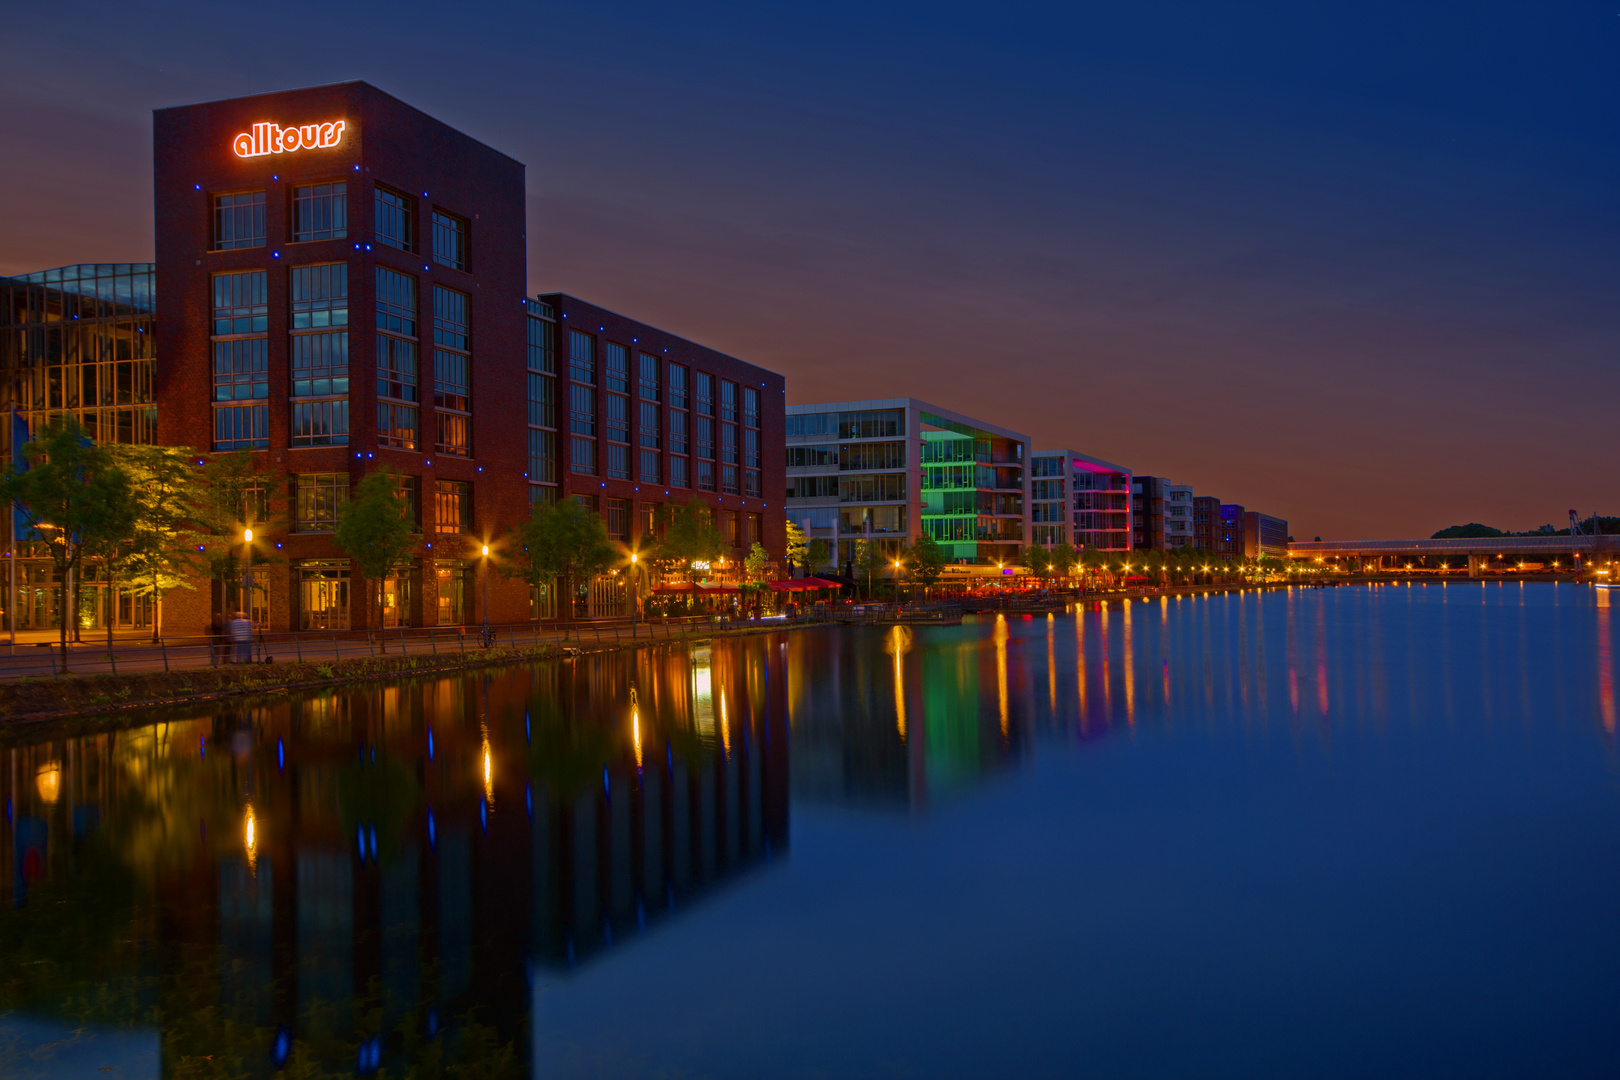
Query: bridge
[{"x": 1484, "y": 554}]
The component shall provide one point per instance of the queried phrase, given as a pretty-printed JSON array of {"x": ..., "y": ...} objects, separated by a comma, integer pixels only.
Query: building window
[
  {"x": 618, "y": 418},
  {"x": 320, "y": 296},
  {"x": 452, "y": 506},
  {"x": 677, "y": 472},
  {"x": 582, "y": 456},
  {"x": 318, "y": 500},
  {"x": 241, "y": 369},
  {"x": 677, "y": 432},
  {"x": 581, "y": 410},
  {"x": 756, "y": 529},
  {"x": 320, "y": 212},
  {"x": 618, "y": 462},
  {"x": 542, "y": 457},
  {"x": 542, "y": 400},
  {"x": 728, "y": 527},
  {"x": 877, "y": 424},
  {"x": 409, "y": 491},
  {"x": 452, "y": 432},
  {"x": 618, "y": 518},
  {"x": 394, "y": 213},
  {"x": 751, "y": 447},
  {"x": 396, "y": 425},
  {"x": 646, "y": 517},
  {"x": 542, "y": 346},
  {"x": 703, "y": 435},
  {"x": 704, "y": 392},
  {"x": 242, "y": 427},
  {"x": 728, "y": 479},
  {"x": 323, "y": 595},
  {"x": 812, "y": 424},
  {"x": 649, "y": 377},
  {"x": 750, "y": 407},
  {"x": 320, "y": 364},
  {"x": 618, "y": 368},
  {"x": 677, "y": 386},
  {"x": 320, "y": 423},
  {"x": 451, "y": 369},
  {"x": 751, "y": 483},
  {"x": 541, "y": 495},
  {"x": 239, "y": 220},
  {"x": 449, "y": 240},
  {"x": 581, "y": 357},
  {"x": 703, "y": 475},
  {"x": 647, "y": 429},
  {"x": 728, "y": 442},
  {"x": 728, "y": 400},
  {"x": 396, "y": 302},
  {"x": 241, "y": 304},
  {"x": 650, "y": 467}
]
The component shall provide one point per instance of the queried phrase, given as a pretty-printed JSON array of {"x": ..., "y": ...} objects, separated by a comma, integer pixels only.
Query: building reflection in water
[
  {"x": 385, "y": 877},
  {"x": 371, "y": 878}
]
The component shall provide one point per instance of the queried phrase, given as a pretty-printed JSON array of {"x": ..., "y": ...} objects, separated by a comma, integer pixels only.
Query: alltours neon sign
[{"x": 270, "y": 138}]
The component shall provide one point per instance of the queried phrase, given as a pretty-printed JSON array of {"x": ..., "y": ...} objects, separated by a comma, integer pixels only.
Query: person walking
[
  {"x": 242, "y": 638},
  {"x": 216, "y": 639}
]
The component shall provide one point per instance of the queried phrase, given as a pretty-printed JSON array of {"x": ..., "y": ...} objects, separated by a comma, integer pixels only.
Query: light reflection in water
[{"x": 631, "y": 824}]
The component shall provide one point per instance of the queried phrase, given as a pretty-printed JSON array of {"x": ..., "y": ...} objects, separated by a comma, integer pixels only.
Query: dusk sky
[{"x": 1355, "y": 265}]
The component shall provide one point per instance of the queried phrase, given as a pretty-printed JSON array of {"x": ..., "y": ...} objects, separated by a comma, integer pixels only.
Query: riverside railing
[{"x": 195, "y": 652}]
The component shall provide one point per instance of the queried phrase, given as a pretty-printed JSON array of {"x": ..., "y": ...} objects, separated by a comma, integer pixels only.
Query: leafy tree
[
  {"x": 820, "y": 553},
  {"x": 71, "y": 492},
  {"x": 754, "y": 562},
  {"x": 157, "y": 560},
  {"x": 1473, "y": 530},
  {"x": 798, "y": 546},
  {"x": 690, "y": 537},
  {"x": 233, "y": 496},
  {"x": 1036, "y": 559},
  {"x": 374, "y": 529},
  {"x": 869, "y": 558},
  {"x": 1064, "y": 559},
  {"x": 927, "y": 560},
  {"x": 560, "y": 541}
]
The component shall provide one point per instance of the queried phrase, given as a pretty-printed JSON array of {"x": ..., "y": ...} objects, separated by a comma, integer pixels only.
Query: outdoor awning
[
  {"x": 797, "y": 585},
  {"x": 677, "y": 587},
  {"x": 818, "y": 583},
  {"x": 716, "y": 587}
]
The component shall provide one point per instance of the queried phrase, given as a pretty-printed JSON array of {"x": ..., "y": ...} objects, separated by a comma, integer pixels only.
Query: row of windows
[
  {"x": 620, "y": 516},
  {"x": 319, "y": 498},
  {"x": 321, "y": 212},
  {"x": 582, "y": 369},
  {"x": 326, "y": 423}
]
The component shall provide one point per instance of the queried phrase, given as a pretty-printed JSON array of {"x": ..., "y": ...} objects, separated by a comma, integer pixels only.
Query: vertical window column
[
  {"x": 542, "y": 407},
  {"x": 398, "y": 390},
  {"x": 241, "y": 361},
  {"x": 750, "y": 433},
  {"x": 617, "y": 412},
  {"x": 582, "y": 403},
  {"x": 703, "y": 431},
  {"x": 452, "y": 367},
  {"x": 319, "y": 355}
]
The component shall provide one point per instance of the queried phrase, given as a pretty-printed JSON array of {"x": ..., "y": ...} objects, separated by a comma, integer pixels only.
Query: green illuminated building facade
[{"x": 886, "y": 471}]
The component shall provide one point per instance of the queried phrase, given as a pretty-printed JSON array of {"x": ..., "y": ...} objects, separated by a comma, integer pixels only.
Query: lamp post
[
  {"x": 486, "y": 595},
  {"x": 635, "y": 596},
  {"x": 246, "y": 584}
]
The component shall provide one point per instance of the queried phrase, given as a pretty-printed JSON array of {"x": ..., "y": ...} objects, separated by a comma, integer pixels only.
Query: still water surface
[{"x": 1369, "y": 831}]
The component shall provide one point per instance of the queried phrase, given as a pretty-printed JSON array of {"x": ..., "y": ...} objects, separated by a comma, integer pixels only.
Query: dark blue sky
[{"x": 1355, "y": 265}]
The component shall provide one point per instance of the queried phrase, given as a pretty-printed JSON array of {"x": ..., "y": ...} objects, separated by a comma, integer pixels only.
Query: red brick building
[
  {"x": 630, "y": 418},
  {"x": 342, "y": 283}
]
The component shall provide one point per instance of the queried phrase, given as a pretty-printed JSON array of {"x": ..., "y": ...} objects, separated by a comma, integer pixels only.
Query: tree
[
  {"x": 374, "y": 529},
  {"x": 1473, "y": 530},
  {"x": 234, "y": 496},
  {"x": 1064, "y": 559},
  {"x": 868, "y": 557},
  {"x": 157, "y": 560},
  {"x": 820, "y": 552},
  {"x": 560, "y": 541},
  {"x": 1036, "y": 559},
  {"x": 927, "y": 560},
  {"x": 74, "y": 496},
  {"x": 754, "y": 569},
  {"x": 798, "y": 547},
  {"x": 690, "y": 537}
]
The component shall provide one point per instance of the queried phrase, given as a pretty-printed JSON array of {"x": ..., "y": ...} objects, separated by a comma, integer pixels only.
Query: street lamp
[
  {"x": 486, "y": 595},
  {"x": 246, "y": 584},
  {"x": 635, "y": 593}
]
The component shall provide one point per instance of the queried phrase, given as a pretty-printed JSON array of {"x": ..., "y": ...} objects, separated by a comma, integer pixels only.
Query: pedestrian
[
  {"x": 216, "y": 638},
  {"x": 242, "y": 638}
]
